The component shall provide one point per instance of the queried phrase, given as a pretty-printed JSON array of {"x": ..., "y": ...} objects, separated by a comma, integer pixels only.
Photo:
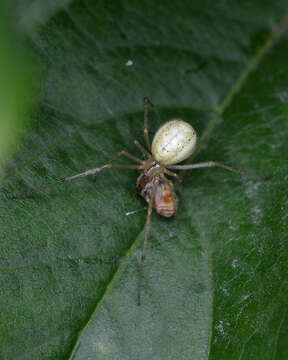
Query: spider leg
[
  {"x": 205, "y": 164},
  {"x": 141, "y": 148},
  {"x": 109, "y": 164},
  {"x": 129, "y": 156},
  {"x": 146, "y": 232},
  {"x": 132, "y": 157},
  {"x": 171, "y": 173},
  {"x": 147, "y": 104},
  {"x": 215, "y": 164}
]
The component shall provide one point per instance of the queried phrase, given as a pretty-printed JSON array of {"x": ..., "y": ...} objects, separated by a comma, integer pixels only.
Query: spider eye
[{"x": 174, "y": 142}]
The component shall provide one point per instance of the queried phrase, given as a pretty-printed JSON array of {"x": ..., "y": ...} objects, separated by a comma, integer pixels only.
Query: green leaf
[{"x": 215, "y": 283}]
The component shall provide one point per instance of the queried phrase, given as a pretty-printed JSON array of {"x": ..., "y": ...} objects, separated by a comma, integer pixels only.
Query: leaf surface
[{"x": 215, "y": 283}]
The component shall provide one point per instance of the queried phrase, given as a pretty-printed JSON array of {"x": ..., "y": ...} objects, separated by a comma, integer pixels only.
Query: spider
[{"x": 173, "y": 143}]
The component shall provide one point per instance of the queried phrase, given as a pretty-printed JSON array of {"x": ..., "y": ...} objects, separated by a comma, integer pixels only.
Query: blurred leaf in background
[
  {"x": 15, "y": 86},
  {"x": 215, "y": 279}
]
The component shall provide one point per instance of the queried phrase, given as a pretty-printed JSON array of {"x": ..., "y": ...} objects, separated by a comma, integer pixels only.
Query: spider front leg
[
  {"x": 93, "y": 171},
  {"x": 147, "y": 104},
  {"x": 215, "y": 164},
  {"x": 146, "y": 233},
  {"x": 129, "y": 156},
  {"x": 142, "y": 149},
  {"x": 109, "y": 164}
]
